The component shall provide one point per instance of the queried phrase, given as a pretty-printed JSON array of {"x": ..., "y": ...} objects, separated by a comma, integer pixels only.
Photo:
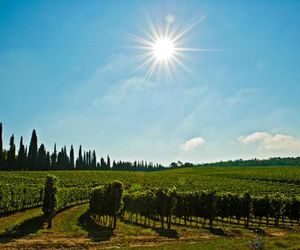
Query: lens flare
[{"x": 162, "y": 48}]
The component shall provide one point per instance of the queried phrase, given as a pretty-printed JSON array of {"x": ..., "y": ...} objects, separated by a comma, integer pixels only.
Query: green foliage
[
  {"x": 50, "y": 202},
  {"x": 165, "y": 203},
  {"x": 246, "y": 207},
  {"x": 17, "y": 197},
  {"x": 106, "y": 201},
  {"x": 11, "y": 153},
  {"x": 278, "y": 206},
  {"x": 72, "y": 196},
  {"x": 223, "y": 180},
  {"x": 56, "y": 199},
  {"x": 1, "y": 148},
  {"x": 292, "y": 209},
  {"x": 33, "y": 148},
  {"x": 22, "y": 157}
]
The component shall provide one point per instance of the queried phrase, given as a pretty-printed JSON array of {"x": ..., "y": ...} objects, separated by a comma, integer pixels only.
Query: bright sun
[{"x": 163, "y": 49}]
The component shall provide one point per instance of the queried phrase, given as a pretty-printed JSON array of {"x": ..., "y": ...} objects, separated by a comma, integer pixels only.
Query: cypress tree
[
  {"x": 108, "y": 162},
  {"x": 33, "y": 148},
  {"x": 50, "y": 201},
  {"x": 90, "y": 159},
  {"x": 11, "y": 154},
  {"x": 1, "y": 147},
  {"x": 87, "y": 158},
  {"x": 72, "y": 157},
  {"x": 66, "y": 160},
  {"x": 84, "y": 160},
  {"x": 42, "y": 157},
  {"x": 48, "y": 161},
  {"x": 114, "y": 164},
  {"x": 60, "y": 159},
  {"x": 94, "y": 159},
  {"x": 102, "y": 163},
  {"x": 54, "y": 158},
  {"x": 79, "y": 159},
  {"x": 21, "y": 156}
]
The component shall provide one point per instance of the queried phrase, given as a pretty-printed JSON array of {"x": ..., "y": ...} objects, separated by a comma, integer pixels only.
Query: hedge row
[
  {"x": 15, "y": 198},
  {"x": 105, "y": 203},
  {"x": 164, "y": 204}
]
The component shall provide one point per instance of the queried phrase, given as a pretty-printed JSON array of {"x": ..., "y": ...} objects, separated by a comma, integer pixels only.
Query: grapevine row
[
  {"x": 19, "y": 197},
  {"x": 165, "y": 204}
]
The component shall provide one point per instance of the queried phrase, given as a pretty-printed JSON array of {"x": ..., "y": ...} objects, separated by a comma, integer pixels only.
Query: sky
[{"x": 71, "y": 70}]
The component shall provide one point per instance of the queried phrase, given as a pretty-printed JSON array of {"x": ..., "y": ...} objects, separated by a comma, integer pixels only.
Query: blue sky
[{"x": 68, "y": 69}]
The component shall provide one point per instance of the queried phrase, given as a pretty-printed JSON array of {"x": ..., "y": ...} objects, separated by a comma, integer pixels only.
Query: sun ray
[
  {"x": 189, "y": 28},
  {"x": 161, "y": 47},
  {"x": 195, "y": 49},
  {"x": 147, "y": 61}
]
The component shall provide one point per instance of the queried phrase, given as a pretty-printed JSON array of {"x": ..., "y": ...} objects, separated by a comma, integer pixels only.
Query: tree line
[
  {"x": 36, "y": 157},
  {"x": 273, "y": 161}
]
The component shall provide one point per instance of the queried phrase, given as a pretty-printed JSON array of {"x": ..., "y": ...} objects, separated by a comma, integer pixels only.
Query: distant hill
[{"x": 275, "y": 161}]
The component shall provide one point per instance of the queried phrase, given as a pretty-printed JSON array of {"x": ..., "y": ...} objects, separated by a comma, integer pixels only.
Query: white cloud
[
  {"x": 192, "y": 143},
  {"x": 277, "y": 142}
]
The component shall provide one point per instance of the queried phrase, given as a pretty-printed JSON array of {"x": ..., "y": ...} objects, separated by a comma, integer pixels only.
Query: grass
[
  {"x": 216, "y": 244},
  {"x": 73, "y": 228},
  {"x": 8, "y": 223},
  {"x": 20, "y": 225},
  {"x": 66, "y": 222}
]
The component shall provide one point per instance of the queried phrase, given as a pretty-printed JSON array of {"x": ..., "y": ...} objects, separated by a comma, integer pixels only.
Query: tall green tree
[
  {"x": 89, "y": 159},
  {"x": 42, "y": 161},
  {"x": 66, "y": 159},
  {"x": 94, "y": 159},
  {"x": 1, "y": 147},
  {"x": 33, "y": 148},
  {"x": 54, "y": 158},
  {"x": 63, "y": 160},
  {"x": 11, "y": 154},
  {"x": 72, "y": 157},
  {"x": 79, "y": 161},
  {"x": 50, "y": 202},
  {"x": 102, "y": 163},
  {"x": 108, "y": 162},
  {"x": 21, "y": 162},
  {"x": 48, "y": 160}
]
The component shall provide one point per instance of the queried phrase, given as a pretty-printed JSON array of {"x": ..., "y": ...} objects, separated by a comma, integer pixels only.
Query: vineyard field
[
  {"x": 133, "y": 209},
  {"x": 255, "y": 180}
]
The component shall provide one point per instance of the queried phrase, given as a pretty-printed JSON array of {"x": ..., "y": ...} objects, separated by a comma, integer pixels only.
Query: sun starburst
[{"x": 162, "y": 48}]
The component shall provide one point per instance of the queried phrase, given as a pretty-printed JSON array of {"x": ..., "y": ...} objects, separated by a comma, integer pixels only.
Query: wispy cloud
[
  {"x": 269, "y": 142},
  {"x": 192, "y": 143},
  {"x": 125, "y": 90}
]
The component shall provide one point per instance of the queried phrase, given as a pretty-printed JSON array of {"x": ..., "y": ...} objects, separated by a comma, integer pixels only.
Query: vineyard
[
  {"x": 206, "y": 197},
  {"x": 21, "y": 190}
]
